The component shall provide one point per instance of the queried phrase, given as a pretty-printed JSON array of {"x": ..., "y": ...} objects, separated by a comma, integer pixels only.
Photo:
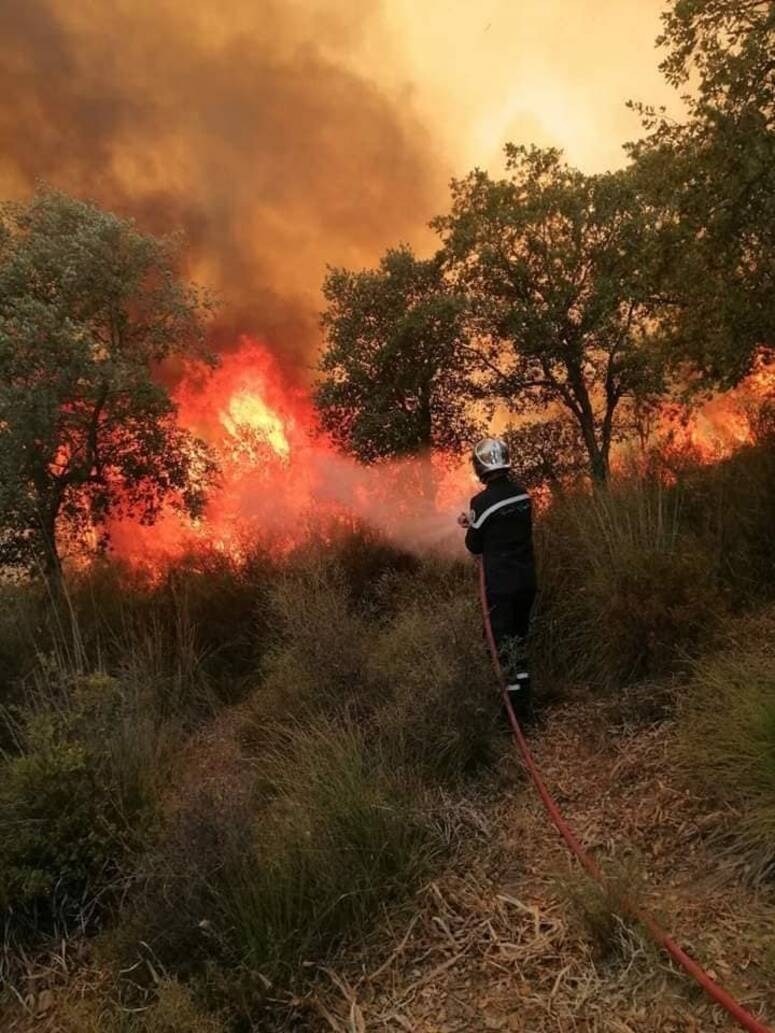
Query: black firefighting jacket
[{"x": 501, "y": 532}]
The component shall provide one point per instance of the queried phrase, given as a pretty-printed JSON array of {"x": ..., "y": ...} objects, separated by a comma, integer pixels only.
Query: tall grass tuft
[
  {"x": 311, "y": 837},
  {"x": 171, "y": 1009},
  {"x": 432, "y": 684},
  {"x": 342, "y": 833},
  {"x": 726, "y": 736},
  {"x": 637, "y": 578}
]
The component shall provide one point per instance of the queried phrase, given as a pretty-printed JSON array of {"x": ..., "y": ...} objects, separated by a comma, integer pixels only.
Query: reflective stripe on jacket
[{"x": 501, "y": 532}]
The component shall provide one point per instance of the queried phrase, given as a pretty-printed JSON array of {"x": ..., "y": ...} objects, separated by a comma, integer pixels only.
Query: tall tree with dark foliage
[{"x": 87, "y": 306}]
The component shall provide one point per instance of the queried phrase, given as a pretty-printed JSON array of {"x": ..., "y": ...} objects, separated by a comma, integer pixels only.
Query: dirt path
[{"x": 513, "y": 937}]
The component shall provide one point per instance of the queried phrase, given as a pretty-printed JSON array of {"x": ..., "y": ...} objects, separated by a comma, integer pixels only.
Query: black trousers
[{"x": 510, "y": 620}]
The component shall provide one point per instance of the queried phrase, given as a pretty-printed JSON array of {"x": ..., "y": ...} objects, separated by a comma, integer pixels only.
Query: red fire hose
[{"x": 716, "y": 992}]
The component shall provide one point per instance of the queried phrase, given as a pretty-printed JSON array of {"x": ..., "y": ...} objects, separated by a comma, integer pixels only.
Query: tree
[
  {"x": 555, "y": 266},
  {"x": 713, "y": 179},
  {"x": 393, "y": 379},
  {"x": 87, "y": 306},
  {"x": 547, "y": 452}
]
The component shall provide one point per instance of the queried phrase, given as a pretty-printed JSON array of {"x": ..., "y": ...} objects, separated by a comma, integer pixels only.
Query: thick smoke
[{"x": 244, "y": 124}]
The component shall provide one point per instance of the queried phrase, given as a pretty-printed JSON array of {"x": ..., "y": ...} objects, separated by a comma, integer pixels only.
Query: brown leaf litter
[{"x": 494, "y": 943}]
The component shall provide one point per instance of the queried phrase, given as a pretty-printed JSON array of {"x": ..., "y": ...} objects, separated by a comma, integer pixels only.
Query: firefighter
[{"x": 499, "y": 530}]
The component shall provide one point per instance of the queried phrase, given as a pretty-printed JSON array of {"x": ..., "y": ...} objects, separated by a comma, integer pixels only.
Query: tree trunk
[
  {"x": 598, "y": 457},
  {"x": 598, "y": 462},
  {"x": 581, "y": 407},
  {"x": 50, "y": 559}
]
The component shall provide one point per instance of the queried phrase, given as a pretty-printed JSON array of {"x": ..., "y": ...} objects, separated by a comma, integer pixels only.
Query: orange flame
[
  {"x": 725, "y": 423},
  {"x": 280, "y": 476},
  {"x": 247, "y": 413}
]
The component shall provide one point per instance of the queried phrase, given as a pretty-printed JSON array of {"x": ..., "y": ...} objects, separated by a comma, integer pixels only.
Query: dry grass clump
[
  {"x": 429, "y": 674},
  {"x": 639, "y": 577},
  {"x": 604, "y": 910},
  {"x": 412, "y": 671},
  {"x": 626, "y": 590},
  {"x": 294, "y": 852},
  {"x": 83, "y": 1008},
  {"x": 316, "y": 661},
  {"x": 726, "y": 737},
  {"x": 340, "y": 833}
]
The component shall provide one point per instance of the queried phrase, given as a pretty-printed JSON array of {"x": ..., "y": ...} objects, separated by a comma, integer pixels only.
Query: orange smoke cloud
[{"x": 242, "y": 124}]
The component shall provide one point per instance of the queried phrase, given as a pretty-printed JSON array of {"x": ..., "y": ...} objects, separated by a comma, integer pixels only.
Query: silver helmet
[{"x": 490, "y": 455}]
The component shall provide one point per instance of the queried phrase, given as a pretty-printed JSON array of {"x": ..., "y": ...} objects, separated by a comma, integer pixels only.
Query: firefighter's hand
[{"x": 463, "y": 520}]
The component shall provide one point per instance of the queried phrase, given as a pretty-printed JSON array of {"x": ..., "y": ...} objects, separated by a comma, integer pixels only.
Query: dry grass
[
  {"x": 92, "y": 1004},
  {"x": 639, "y": 577},
  {"x": 726, "y": 739},
  {"x": 492, "y": 943},
  {"x": 603, "y": 911}
]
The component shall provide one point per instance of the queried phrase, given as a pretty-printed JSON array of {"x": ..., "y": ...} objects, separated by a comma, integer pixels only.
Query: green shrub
[
  {"x": 430, "y": 675},
  {"x": 75, "y": 796},
  {"x": 726, "y": 736},
  {"x": 316, "y": 833}
]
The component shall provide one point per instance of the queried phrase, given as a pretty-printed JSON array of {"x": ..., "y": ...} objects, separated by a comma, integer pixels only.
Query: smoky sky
[{"x": 243, "y": 124}]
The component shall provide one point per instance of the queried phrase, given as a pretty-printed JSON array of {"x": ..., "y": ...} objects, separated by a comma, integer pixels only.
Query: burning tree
[
  {"x": 555, "y": 267},
  {"x": 87, "y": 306},
  {"x": 395, "y": 378}
]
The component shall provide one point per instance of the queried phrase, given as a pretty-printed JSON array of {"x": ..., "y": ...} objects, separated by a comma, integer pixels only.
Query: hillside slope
[{"x": 513, "y": 937}]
